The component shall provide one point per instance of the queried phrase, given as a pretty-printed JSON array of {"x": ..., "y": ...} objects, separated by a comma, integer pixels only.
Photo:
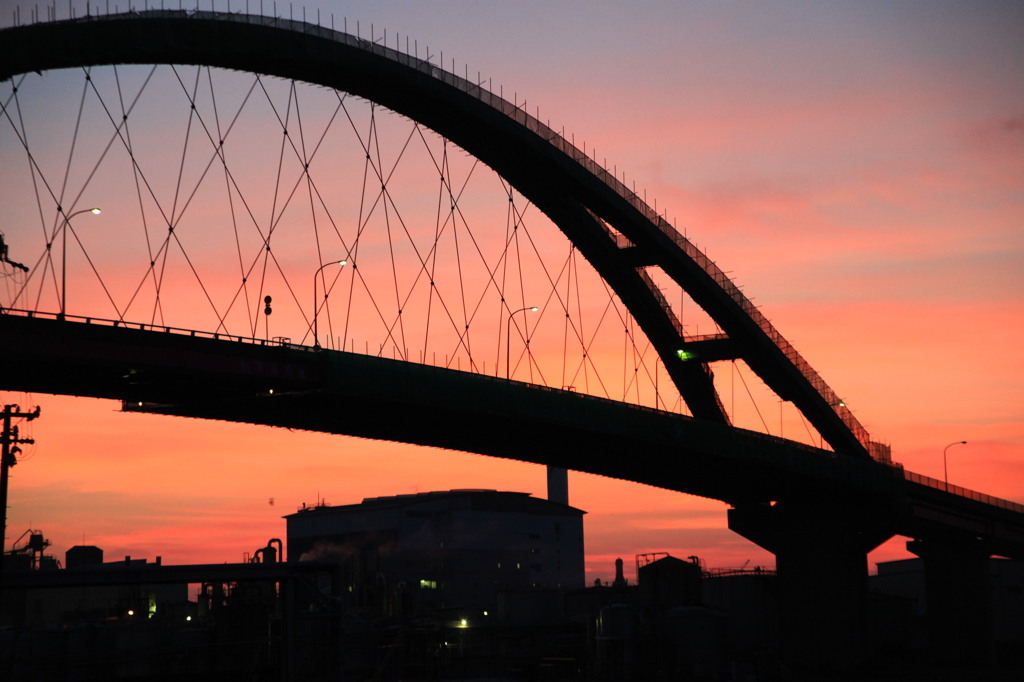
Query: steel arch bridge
[
  {"x": 631, "y": 247},
  {"x": 612, "y": 227},
  {"x": 153, "y": 366}
]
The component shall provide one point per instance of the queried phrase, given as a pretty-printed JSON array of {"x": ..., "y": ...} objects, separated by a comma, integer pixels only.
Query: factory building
[{"x": 443, "y": 550}]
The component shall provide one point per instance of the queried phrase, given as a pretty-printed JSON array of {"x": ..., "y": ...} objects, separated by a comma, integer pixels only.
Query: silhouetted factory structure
[
  {"x": 444, "y": 550},
  {"x": 454, "y": 585}
]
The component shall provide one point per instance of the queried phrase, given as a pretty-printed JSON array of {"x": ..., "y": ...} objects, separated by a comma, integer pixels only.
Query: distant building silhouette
[
  {"x": 904, "y": 620},
  {"x": 83, "y": 555},
  {"x": 403, "y": 587},
  {"x": 444, "y": 550}
]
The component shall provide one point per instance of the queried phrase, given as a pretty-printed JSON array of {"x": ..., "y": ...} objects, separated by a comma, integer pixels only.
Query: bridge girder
[{"x": 296, "y": 387}]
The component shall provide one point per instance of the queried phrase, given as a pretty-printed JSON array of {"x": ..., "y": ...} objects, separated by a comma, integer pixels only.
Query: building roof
[{"x": 471, "y": 498}]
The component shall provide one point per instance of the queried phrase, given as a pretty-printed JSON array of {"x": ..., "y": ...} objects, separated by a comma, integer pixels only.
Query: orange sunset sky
[{"x": 858, "y": 168}]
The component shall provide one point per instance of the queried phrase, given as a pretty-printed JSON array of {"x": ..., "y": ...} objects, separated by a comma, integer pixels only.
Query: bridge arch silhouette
[
  {"x": 852, "y": 488},
  {"x": 612, "y": 227}
]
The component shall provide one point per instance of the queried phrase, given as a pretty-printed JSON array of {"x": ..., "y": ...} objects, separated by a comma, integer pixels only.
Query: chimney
[
  {"x": 620, "y": 579},
  {"x": 558, "y": 485}
]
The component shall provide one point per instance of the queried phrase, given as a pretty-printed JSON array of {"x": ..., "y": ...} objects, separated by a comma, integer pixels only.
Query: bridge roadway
[{"x": 177, "y": 372}]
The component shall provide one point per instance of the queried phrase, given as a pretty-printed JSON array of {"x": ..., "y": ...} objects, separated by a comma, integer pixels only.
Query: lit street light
[
  {"x": 945, "y": 471},
  {"x": 64, "y": 256},
  {"x": 316, "y": 339},
  {"x": 508, "y": 337}
]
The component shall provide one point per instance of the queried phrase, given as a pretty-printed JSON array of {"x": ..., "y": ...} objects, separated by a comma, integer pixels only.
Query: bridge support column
[
  {"x": 957, "y": 599},
  {"x": 820, "y": 550}
]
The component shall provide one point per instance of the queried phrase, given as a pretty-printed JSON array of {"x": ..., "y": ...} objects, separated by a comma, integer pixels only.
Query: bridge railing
[
  {"x": 279, "y": 341},
  {"x": 517, "y": 112},
  {"x": 963, "y": 492}
]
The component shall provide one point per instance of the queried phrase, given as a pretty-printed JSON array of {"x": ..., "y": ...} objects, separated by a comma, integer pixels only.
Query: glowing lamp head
[
  {"x": 95, "y": 211},
  {"x": 685, "y": 355}
]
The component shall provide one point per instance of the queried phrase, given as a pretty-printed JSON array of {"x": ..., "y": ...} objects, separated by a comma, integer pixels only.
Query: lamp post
[
  {"x": 64, "y": 256},
  {"x": 945, "y": 470},
  {"x": 316, "y": 339},
  {"x": 657, "y": 405},
  {"x": 508, "y": 337}
]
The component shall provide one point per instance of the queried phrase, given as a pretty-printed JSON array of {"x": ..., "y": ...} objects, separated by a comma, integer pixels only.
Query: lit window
[{"x": 428, "y": 584}]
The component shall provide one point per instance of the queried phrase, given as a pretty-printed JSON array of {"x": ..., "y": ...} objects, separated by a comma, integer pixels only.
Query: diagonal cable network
[{"x": 337, "y": 177}]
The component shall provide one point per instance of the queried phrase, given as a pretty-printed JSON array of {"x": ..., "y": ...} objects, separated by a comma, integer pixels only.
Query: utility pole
[{"x": 9, "y": 458}]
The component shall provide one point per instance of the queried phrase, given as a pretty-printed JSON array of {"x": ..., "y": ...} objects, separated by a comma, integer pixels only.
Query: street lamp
[
  {"x": 64, "y": 256},
  {"x": 657, "y": 359},
  {"x": 316, "y": 339},
  {"x": 945, "y": 471},
  {"x": 508, "y": 337}
]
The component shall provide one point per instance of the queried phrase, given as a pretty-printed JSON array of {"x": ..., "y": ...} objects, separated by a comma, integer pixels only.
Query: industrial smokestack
[
  {"x": 558, "y": 485},
  {"x": 620, "y": 579}
]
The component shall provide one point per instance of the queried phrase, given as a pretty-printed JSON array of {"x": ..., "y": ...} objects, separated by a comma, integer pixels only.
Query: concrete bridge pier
[
  {"x": 820, "y": 549},
  {"x": 957, "y": 598}
]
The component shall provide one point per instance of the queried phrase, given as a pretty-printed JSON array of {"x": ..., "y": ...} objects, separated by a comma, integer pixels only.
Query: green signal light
[{"x": 685, "y": 355}]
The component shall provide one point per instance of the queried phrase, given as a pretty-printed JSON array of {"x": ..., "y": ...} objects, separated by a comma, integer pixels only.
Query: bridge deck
[{"x": 176, "y": 372}]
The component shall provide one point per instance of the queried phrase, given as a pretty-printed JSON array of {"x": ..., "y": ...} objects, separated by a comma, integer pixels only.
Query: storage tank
[{"x": 617, "y": 642}]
